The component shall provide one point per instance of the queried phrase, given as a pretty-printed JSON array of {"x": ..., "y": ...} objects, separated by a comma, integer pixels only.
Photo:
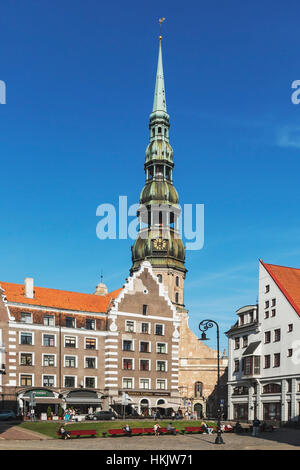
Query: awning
[
  {"x": 251, "y": 348},
  {"x": 167, "y": 405},
  {"x": 84, "y": 400},
  {"x": 45, "y": 400}
]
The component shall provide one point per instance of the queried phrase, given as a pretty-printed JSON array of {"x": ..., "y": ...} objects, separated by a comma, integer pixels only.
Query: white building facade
[{"x": 264, "y": 350}]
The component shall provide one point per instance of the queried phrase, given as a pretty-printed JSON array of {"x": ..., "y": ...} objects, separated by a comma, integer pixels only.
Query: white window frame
[
  {"x": 166, "y": 365},
  {"x": 76, "y": 361},
  {"x": 128, "y": 378},
  {"x": 26, "y": 352},
  {"x": 161, "y": 342},
  {"x": 143, "y": 352},
  {"x": 48, "y": 334},
  {"x": 149, "y": 328},
  {"x": 32, "y": 380},
  {"x": 132, "y": 342},
  {"x": 74, "y": 319},
  {"x": 71, "y": 336},
  {"x": 128, "y": 359},
  {"x": 48, "y": 315},
  {"x": 166, "y": 384},
  {"x": 51, "y": 375},
  {"x": 145, "y": 359},
  {"x": 28, "y": 314},
  {"x": 48, "y": 354},
  {"x": 69, "y": 375},
  {"x": 91, "y": 357},
  {"x": 93, "y": 320},
  {"x": 26, "y": 332},
  {"x": 90, "y": 337},
  {"x": 149, "y": 382},
  {"x": 134, "y": 326},
  {"x": 90, "y": 377},
  {"x": 163, "y": 329}
]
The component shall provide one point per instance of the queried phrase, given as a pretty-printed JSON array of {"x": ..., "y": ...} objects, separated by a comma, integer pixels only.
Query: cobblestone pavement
[{"x": 283, "y": 439}]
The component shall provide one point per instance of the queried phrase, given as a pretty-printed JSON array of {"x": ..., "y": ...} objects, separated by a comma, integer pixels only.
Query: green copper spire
[{"x": 159, "y": 103}]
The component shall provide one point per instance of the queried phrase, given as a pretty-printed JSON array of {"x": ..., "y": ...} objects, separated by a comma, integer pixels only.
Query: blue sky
[{"x": 80, "y": 81}]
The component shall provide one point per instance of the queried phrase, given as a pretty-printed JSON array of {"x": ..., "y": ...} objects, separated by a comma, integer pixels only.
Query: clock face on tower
[{"x": 160, "y": 244}]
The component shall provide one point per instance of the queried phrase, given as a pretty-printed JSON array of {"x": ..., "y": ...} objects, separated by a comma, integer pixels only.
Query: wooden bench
[
  {"x": 80, "y": 432},
  {"x": 191, "y": 429},
  {"x": 116, "y": 432},
  {"x": 148, "y": 430}
]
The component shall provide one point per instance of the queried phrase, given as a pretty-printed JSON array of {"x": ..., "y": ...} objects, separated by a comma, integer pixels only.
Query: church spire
[{"x": 159, "y": 103}]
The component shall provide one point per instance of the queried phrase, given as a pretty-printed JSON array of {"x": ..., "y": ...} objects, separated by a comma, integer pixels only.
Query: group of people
[{"x": 156, "y": 429}]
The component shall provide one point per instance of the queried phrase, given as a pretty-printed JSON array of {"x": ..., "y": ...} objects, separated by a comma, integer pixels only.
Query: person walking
[{"x": 256, "y": 424}]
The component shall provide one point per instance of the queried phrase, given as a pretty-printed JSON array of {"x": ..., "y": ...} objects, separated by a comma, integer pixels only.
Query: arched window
[
  {"x": 177, "y": 281},
  {"x": 198, "y": 389},
  {"x": 159, "y": 277}
]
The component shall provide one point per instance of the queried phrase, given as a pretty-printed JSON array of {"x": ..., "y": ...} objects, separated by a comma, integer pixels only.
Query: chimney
[{"x": 29, "y": 287}]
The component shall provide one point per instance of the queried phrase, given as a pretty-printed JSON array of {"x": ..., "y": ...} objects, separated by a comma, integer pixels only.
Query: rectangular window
[
  {"x": 90, "y": 324},
  {"x": 26, "y": 359},
  {"x": 70, "y": 361},
  {"x": 290, "y": 327},
  {"x": 267, "y": 363},
  {"x": 236, "y": 365},
  {"x": 127, "y": 364},
  {"x": 251, "y": 317},
  {"x": 145, "y": 309},
  {"x": 26, "y": 338},
  {"x": 267, "y": 337},
  {"x": 129, "y": 326},
  {"x": 49, "y": 360},
  {"x": 277, "y": 360},
  {"x": 267, "y": 304},
  {"x": 26, "y": 317},
  {"x": 242, "y": 319},
  {"x": 26, "y": 380},
  {"x": 70, "y": 342},
  {"x": 144, "y": 347},
  {"x": 245, "y": 341},
  {"x": 161, "y": 366},
  {"x": 49, "y": 320},
  {"x": 273, "y": 312},
  {"x": 267, "y": 289},
  {"x": 273, "y": 302},
  {"x": 267, "y": 314},
  {"x": 49, "y": 340},
  {"x": 161, "y": 384},
  {"x": 236, "y": 343},
  {"x": 290, "y": 352},
  {"x": 159, "y": 329},
  {"x": 127, "y": 345},
  {"x": 144, "y": 364},
  {"x": 48, "y": 381},
  {"x": 70, "y": 322},
  {"x": 69, "y": 382},
  {"x": 90, "y": 382},
  {"x": 161, "y": 348},
  {"x": 145, "y": 328},
  {"x": 127, "y": 383},
  {"x": 90, "y": 343},
  {"x": 277, "y": 335},
  {"x": 145, "y": 384},
  {"x": 248, "y": 365},
  {"x": 90, "y": 363}
]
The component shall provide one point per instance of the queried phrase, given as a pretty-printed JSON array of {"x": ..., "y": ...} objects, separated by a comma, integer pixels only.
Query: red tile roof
[
  {"x": 59, "y": 298},
  {"x": 288, "y": 281}
]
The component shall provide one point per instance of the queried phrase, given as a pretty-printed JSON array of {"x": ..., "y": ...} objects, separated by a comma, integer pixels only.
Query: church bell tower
[{"x": 159, "y": 240}]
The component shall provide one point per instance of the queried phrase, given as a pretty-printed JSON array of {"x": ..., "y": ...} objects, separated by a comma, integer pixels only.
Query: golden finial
[{"x": 161, "y": 20}]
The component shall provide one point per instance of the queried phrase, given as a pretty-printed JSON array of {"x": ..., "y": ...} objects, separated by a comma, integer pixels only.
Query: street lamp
[{"x": 203, "y": 327}]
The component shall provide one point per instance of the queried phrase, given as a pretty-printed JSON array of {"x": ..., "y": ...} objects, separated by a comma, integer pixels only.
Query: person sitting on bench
[
  {"x": 127, "y": 430},
  {"x": 171, "y": 429},
  {"x": 156, "y": 429},
  {"x": 64, "y": 434},
  {"x": 206, "y": 428}
]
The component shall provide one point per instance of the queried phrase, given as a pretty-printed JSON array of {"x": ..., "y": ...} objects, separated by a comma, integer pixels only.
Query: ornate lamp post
[{"x": 203, "y": 327}]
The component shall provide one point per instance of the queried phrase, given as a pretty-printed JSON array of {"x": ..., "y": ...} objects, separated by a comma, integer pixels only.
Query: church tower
[{"x": 158, "y": 240}]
